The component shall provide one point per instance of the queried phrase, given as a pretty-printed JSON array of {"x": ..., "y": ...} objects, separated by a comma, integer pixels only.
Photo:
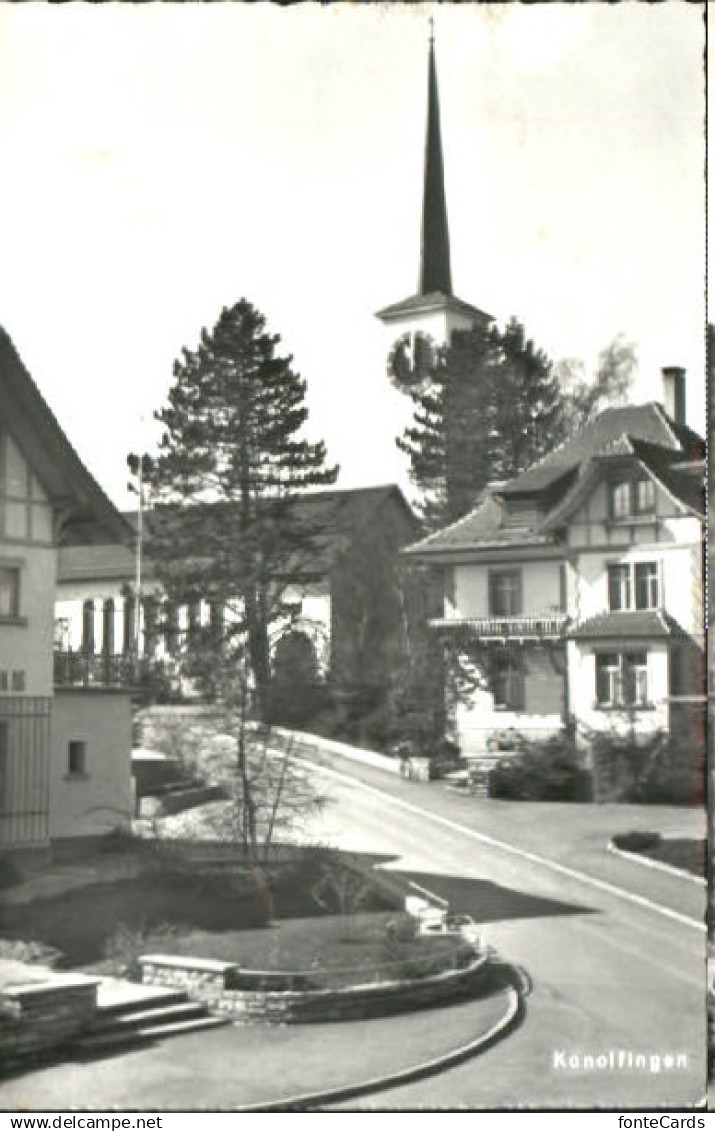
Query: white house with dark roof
[
  {"x": 577, "y": 587},
  {"x": 65, "y": 753},
  {"x": 335, "y": 595}
]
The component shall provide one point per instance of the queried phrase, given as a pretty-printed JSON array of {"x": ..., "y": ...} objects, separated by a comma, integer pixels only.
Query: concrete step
[
  {"x": 138, "y": 997},
  {"x": 98, "y": 1043},
  {"x": 152, "y": 1015}
]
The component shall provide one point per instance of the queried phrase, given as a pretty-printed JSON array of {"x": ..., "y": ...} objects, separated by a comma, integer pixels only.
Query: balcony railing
[
  {"x": 78, "y": 669},
  {"x": 550, "y": 626}
]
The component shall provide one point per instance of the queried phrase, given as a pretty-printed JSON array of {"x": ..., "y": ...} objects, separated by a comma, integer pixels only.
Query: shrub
[
  {"x": 658, "y": 770},
  {"x": 31, "y": 952},
  {"x": 400, "y": 929},
  {"x": 543, "y": 771},
  {"x": 637, "y": 840},
  {"x": 123, "y": 949}
]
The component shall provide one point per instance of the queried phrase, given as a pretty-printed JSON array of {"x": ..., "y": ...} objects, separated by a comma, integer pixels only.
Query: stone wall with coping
[
  {"x": 208, "y": 982},
  {"x": 37, "y": 1017}
]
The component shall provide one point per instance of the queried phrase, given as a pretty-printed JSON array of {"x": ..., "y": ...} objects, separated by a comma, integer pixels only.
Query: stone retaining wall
[
  {"x": 208, "y": 981},
  {"x": 40, "y": 1016}
]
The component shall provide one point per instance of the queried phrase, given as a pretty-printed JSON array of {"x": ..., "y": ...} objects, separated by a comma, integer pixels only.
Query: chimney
[{"x": 674, "y": 392}]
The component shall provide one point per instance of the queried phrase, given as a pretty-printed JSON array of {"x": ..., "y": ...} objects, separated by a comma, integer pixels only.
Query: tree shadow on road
[{"x": 484, "y": 900}]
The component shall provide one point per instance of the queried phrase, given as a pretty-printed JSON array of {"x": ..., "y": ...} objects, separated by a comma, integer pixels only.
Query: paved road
[
  {"x": 607, "y": 973},
  {"x": 612, "y": 971}
]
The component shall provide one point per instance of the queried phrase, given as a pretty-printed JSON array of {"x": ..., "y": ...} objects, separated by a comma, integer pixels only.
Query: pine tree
[
  {"x": 230, "y": 464},
  {"x": 489, "y": 407}
]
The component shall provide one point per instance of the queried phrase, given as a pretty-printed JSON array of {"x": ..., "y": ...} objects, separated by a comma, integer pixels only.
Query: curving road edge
[
  {"x": 656, "y": 865},
  {"x": 511, "y": 1018}
]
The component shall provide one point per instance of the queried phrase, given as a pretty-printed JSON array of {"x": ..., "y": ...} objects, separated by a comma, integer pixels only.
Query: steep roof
[
  {"x": 672, "y": 453},
  {"x": 70, "y": 487},
  {"x": 482, "y": 528},
  {"x": 332, "y": 518},
  {"x": 435, "y": 267},
  {"x": 647, "y": 422}
]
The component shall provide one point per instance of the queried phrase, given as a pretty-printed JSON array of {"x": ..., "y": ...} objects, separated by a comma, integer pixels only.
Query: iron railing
[
  {"x": 549, "y": 626},
  {"x": 80, "y": 669}
]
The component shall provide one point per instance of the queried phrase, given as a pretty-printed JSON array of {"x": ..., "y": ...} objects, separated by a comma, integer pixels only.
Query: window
[
  {"x": 622, "y": 679},
  {"x": 644, "y": 496},
  {"x": 77, "y": 758},
  {"x": 171, "y": 628},
  {"x": 9, "y": 592},
  {"x": 108, "y": 627},
  {"x": 633, "y": 586},
  {"x": 508, "y": 683},
  {"x": 5, "y": 804},
  {"x": 619, "y": 587},
  {"x": 18, "y": 680},
  {"x": 647, "y": 595},
  {"x": 151, "y": 616},
  {"x": 563, "y": 589},
  {"x": 194, "y": 622},
  {"x": 505, "y": 593},
  {"x": 450, "y": 588},
  {"x": 620, "y": 500},
  {"x": 217, "y": 623},
  {"x": 129, "y": 626},
  {"x": 631, "y": 497},
  {"x": 88, "y": 628}
]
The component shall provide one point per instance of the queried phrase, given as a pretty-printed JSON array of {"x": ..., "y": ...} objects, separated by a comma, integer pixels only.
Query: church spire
[{"x": 435, "y": 272}]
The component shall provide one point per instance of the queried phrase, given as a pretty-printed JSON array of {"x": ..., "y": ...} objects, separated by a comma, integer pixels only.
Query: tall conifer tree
[
  {"x": 231, "y": 461},
  {"x": 489, "y": 407}
]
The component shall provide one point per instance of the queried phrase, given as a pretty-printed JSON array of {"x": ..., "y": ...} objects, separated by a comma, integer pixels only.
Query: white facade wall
[
  {"x": 582, "y": 689},
  {"x": 680, "y": 584},
  {"x": 27, "y": 645},
  {"x": 101, "y": 798},
  {"x": 593, "y": 543},
  {"x": 541, "y": 594},
  {"x": 439, "y": 324}
]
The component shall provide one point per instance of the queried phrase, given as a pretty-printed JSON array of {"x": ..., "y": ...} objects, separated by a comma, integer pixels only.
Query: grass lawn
[
  {"x": 685, "y": 853},
  {"x": 261, "y": 924},
  {"x": 688, "y": 855}
]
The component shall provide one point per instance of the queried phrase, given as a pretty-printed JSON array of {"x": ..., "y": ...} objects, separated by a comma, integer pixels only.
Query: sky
[{"x": 161, "y": 161}]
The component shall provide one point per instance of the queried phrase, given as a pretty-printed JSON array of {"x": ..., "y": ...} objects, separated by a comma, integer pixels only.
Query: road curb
[
  {"x": 512, "y": 1016},
  {"x": 656, "y": 865}
]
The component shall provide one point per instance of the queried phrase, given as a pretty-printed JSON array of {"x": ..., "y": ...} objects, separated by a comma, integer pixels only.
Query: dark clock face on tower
[{"x": 411, "y": 359}]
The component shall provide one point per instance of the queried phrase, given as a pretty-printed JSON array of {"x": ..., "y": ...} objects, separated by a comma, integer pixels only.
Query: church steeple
[
  {"x": 435, "y": 270},
  {"x": 434, "y": 312}
]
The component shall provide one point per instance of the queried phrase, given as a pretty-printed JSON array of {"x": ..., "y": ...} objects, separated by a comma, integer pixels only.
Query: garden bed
[
  {"x": 684, "y": 853},
  {"x": 283, "y": 919}
]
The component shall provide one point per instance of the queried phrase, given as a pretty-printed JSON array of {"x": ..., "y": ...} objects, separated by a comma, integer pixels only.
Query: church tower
[{"x": 432, "y": 314}]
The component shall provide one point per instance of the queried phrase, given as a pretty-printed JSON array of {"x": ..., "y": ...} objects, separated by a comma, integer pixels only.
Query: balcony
[
  {"x": 549, "y": 626},
  {"x": 78, "y": 669}
]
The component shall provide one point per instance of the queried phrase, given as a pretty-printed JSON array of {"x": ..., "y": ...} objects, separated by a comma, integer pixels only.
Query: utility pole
[{"x": 138, "y": 573}]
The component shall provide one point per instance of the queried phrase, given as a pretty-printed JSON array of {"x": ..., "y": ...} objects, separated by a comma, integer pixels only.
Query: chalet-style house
[
  {"x": 65, "y": 753},
  {"x": 578, "y": 585},
  {"x": 341, "y": 597}
]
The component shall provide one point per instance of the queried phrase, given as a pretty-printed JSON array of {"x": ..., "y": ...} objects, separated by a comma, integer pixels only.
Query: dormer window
[
  {"x": 644, "y": 496},
  {"x": 630, "y": 497}
]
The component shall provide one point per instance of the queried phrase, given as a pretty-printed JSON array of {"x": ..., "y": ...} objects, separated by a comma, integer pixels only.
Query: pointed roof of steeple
[
  {"x": 435, "y": 269},
  {"x": 434, "y": 287}
]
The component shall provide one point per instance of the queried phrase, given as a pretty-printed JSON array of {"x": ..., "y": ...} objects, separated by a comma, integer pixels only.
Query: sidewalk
[{"x": 242, "y": 1066}]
